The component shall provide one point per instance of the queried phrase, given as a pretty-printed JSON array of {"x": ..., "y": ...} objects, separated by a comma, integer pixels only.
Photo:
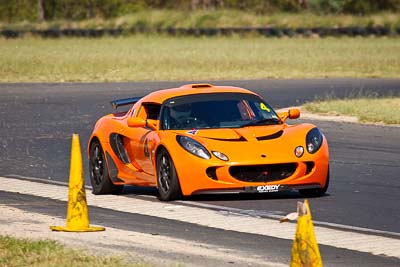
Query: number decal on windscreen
[{"x": 264, "y": 107}]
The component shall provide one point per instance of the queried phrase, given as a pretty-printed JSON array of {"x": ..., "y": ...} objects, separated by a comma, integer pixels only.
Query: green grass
[
  {"x": 237, "y": 18},
  {"x": 220, "y": 18},
  {"x": 140, "y": 58},
  {"x": 376, "y": 110},
  {"x": 43, "y": 253}
]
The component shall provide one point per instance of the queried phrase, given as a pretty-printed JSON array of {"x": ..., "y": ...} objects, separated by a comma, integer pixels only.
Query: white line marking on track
[
  {"x": 374, "y": 244},
  {"x": 255, "y": 213},
  {"x": 252, "y": 213}
]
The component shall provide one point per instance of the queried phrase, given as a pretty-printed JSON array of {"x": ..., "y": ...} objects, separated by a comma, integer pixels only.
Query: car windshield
[{"x": 219, "y": 110}]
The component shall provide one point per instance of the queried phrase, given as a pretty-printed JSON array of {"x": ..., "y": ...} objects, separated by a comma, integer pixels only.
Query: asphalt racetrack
[{"x": 37, "y": 121}]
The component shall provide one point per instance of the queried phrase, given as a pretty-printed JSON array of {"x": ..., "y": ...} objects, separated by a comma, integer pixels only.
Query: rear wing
[{"x": 124, "y": 102}]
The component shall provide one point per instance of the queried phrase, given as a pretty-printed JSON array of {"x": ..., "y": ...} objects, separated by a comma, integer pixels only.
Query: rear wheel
[
  {"x": 98, "y": 171},
  {"x": 316, "y": 192},
  {"x": 167, "y": 179}
]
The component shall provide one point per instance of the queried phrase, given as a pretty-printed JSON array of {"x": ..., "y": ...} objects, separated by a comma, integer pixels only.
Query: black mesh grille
[{"x": 263, "y": 173}]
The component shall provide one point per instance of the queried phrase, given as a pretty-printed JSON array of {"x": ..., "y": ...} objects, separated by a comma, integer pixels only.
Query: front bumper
[
  {"x": 259, "y": 189},
  {"x": 309, "y": 172}
]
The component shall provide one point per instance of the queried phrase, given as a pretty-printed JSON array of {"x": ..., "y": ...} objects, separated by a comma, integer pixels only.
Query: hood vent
[
  {"x": 241, "y": 139},
  {"x": 271, "y": 136}
]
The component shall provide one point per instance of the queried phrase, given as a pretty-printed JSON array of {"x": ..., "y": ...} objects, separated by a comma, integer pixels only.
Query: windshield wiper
[{"x": 269, "y": 121}]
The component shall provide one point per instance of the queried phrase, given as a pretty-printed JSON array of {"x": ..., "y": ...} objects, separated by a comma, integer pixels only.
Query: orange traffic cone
[
  {"x": 305, "y": 251},
  {"x": 77, "y": 212}
]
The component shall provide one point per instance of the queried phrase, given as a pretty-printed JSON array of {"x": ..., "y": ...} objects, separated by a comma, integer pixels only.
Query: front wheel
[
  {"x": 316, "y": 192},
  {"x": 98, "y": 171},
  {"x": 167, "y": 179}
]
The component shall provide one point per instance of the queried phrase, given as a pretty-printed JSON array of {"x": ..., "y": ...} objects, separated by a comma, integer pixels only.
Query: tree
[
  {"x": 206, "y": 4},
  {"x": 40, "y": 10}
]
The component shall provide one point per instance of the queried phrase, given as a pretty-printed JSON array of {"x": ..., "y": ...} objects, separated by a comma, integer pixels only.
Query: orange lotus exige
[{"x": 201, "y": 138}]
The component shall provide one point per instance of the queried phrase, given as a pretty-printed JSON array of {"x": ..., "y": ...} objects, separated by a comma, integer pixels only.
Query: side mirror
[
  {"x": 153, "y": 124},
  {"x": 292, "y": 113},
  {"x": 136, "y": 122}
]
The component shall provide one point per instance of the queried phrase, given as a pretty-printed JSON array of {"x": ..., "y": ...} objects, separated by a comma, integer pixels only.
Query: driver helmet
[{"x": 181, "y": 111}]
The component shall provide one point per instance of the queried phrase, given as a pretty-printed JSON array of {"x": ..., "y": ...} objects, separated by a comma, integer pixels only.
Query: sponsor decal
[
  {"x": 268, "y": 188},
  {"x": 192, "y": 132}
]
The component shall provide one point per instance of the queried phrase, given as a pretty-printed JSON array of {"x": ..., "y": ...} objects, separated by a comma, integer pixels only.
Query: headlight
[
  {"x": 220, "y": 155},
  {"x": 314, "y": 140},
  {"x": 193, "y": 147}
]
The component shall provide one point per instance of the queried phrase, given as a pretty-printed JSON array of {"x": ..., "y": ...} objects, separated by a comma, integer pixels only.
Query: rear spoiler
[{"x": 124, "y": 102}]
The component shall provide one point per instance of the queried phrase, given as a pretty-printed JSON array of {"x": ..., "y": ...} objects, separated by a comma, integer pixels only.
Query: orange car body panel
[{"x": 142, "y": 144}]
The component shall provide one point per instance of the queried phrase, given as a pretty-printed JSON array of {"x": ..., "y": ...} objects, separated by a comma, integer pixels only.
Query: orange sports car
[{"x": 201, "y": 138}]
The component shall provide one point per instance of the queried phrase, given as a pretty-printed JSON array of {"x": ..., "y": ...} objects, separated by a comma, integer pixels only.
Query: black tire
[
  {"x": 316, "y": 192},
  {"x": 98, "y": 171},
  {"x": 167, "y": 179}
]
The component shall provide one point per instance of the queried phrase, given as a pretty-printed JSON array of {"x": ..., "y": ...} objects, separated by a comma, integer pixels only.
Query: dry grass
[
  {"x": 382, "y": 110},
  {"x": 141, "y": 58}
]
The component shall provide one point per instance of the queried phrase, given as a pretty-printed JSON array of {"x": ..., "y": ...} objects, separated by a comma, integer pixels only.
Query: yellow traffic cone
[
  {"x": 77, "y": 212},
  {"x": 305, "y": 251}
]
